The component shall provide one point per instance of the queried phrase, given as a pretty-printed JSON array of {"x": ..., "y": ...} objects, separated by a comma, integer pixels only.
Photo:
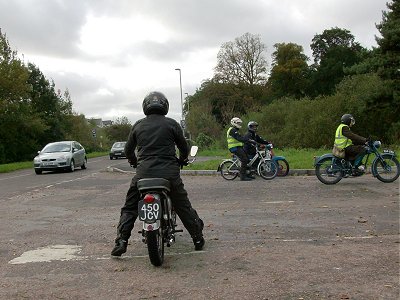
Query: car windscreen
[
  {"x": 60, "y": 147},
  {"x": 119, "y": 145}
]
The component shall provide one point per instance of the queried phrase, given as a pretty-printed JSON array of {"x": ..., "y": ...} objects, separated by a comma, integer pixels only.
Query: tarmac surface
[{"x": 286, "y": 238}]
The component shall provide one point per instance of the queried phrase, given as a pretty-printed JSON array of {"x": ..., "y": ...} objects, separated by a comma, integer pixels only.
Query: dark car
[
  {"x": 65, "y": 155},
  {"x": 117, "y": 150}
]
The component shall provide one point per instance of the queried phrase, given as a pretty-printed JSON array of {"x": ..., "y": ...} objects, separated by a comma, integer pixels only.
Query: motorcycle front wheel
[
  {"x": 229, "y": 169},
  {"x": 327, "y": 172},
  {"x": 155, "y": 246},
  {"x": 267, "y": 169},
  {"x": 283, "y": 167},
  {"x": 386, "y": 170}
]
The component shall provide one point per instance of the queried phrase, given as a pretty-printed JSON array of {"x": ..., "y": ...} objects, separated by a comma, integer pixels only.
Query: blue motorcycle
[{"x": 330, "y": 169}]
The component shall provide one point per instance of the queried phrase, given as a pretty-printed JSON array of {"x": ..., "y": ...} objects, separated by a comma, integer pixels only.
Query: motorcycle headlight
[{"x": 377, "y": 144}]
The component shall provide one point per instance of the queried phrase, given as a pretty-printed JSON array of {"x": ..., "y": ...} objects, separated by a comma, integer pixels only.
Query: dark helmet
[
  {"x": 252, "y": 126},
  {"x": 155, "y": 103},
  {"x": 348, "y": 119}
]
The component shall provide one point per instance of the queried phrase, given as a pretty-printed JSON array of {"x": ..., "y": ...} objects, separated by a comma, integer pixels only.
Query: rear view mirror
[{"x": 193, "y": 150}]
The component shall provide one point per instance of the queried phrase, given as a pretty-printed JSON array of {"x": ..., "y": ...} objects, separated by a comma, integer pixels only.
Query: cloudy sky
[{"x": 111, "y": 53}]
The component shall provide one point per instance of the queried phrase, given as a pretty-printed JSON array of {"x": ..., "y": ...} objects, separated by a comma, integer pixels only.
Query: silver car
[
  {"x": 117, "y": 150},
  {"x": 65, "y": 155}
]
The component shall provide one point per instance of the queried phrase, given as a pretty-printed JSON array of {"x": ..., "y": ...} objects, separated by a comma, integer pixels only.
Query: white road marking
[
  {"x": 12, "y": 177},
  {"x": 49, "y": 253},
  {"x": 358, "y": 237},
  {"x": 71, "y": 252},
  {"x": 276, "y": 202}
]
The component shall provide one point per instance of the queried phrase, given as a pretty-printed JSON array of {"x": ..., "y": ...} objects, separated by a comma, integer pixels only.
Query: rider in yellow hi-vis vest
[
  {"x": 352, "y": 143},
  {"x": 235, "y": 145}
]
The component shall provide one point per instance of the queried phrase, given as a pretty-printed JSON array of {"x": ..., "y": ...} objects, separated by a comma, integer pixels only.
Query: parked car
[
  {"x": 65, "y": 155},
  {"x": 117, "y": 150}
]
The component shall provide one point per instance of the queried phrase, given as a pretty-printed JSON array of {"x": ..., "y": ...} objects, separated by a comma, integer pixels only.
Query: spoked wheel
[
  {"x": 155, "y": 246},
  {"x": 387, "y": 169},
  {"x": 267, "y": 169},
  {"x": 283, "y": 167},
  {"x": 327, "y": 172},
  {"x": 229, "y": 169}
]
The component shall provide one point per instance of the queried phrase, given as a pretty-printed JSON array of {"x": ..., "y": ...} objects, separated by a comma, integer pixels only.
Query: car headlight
[
  {"x": 36, "y": 159},
  {"x": 62, "y": 158}
]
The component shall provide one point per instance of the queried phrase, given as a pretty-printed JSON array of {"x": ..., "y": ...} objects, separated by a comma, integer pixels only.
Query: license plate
[
  {"x": 149, "y": 212},
  {"x": 48, "y": 163}
]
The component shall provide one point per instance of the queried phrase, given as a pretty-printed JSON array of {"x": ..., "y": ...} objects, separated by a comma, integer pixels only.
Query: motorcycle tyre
[
  {"x": 322, "y": 166},
  {"x": 270, "y": 175},
  {"x": 224, "y": 170},
  {"x": 283, "y": 167},
  {"x": 378, "y": 162},
  {"x": 155, "y": 246}
]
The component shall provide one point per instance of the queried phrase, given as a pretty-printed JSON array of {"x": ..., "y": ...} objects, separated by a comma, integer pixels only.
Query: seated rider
[
  {"x": 253, "y": 136},
  {"x": 352, "y": 143},
  {"x": 235, "y": 146}
]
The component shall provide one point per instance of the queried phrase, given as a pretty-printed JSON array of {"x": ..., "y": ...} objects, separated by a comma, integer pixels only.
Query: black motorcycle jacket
[
  {"x": 248, "y": 147},
  {"x": 155, "y": 137}
]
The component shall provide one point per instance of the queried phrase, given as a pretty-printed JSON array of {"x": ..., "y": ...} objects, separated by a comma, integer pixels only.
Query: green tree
[
  {"x": 333, "y": 51},
  {"x": 388, "y": 104},
  {"x": 19, "y": 126},
  {"x": 289, "y": 74},
  {"x": 119, "y": 130},
  {"x": 242, "y": 61}
]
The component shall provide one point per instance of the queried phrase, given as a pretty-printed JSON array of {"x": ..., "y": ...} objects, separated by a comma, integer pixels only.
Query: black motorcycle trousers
[{"x": 180, "y": 201}]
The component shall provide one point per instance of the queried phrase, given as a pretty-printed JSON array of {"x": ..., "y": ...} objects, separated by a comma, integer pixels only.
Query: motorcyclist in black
[
  {"x": 155, "y": 137},
  {"x": 252, "y": 136}
]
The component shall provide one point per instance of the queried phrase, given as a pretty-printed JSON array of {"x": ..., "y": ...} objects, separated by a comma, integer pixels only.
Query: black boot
[
  {"x": 120, "y": 247},
  {"x": 244, "y": 177},
  {"x": 198, "y": 242}
]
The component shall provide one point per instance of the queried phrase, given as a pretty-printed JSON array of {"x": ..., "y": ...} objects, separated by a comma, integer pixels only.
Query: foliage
[
  {"x": 289, "y": 74},
  {"x": 333, "y": 50},
  {"x": 118, "y": 131},
  {"x": 204, "y": 141},
  {"x": 242, "y": 61}
]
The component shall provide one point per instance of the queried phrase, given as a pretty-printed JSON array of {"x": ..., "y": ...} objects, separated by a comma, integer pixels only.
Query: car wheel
[
  {"x": 38, "y": 172},
  {"x": 84, "y": 164},
  {"x": 72, "y": 166},
  {"x": 111, "y": 157}
]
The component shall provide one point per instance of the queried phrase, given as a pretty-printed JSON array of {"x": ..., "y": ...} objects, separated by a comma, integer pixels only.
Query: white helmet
[{"x": 236, "y": 122}]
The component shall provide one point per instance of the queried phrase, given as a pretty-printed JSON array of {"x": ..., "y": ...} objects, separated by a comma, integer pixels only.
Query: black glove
[
  {"x": 133, "y": 163},
  {"x": 252, "y": 142},
  {"x": 183, "y": 162}
]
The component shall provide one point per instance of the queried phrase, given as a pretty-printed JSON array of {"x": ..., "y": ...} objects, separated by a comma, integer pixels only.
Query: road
[{"x": 288, "y": 238}]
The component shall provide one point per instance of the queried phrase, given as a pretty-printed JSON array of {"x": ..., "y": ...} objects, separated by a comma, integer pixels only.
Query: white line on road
[{"x": 276, "y": 202}]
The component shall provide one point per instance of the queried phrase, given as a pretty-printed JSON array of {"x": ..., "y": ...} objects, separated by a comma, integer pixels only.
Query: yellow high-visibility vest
[
  {"x": 340, "y": 140},
  {"x": 232, "y": 142}
]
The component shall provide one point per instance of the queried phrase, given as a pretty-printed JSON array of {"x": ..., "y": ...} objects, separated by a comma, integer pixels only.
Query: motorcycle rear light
[{"x": 148, "y": 198}]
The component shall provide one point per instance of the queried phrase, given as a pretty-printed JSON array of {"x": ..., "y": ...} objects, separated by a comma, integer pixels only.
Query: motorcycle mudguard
[
  {"x": 275, "y": 158},
  {"x": 219, "y": 167},
  {"x": 319, "y": 158}
]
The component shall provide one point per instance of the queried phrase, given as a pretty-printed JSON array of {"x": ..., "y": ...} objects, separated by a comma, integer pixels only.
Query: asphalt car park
[{"x": 287, "y": 238}]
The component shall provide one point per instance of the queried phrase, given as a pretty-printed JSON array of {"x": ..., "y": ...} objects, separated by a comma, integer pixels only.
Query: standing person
[
  {"x": 352, "y": 143},
  {"x": 235, "y": 146},
  {"x": 155, "y": 137},
  {"x": 253, "y": 136}
]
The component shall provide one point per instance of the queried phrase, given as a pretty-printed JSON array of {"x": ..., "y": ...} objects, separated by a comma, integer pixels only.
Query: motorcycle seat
[{"x": 147, "y": 184}]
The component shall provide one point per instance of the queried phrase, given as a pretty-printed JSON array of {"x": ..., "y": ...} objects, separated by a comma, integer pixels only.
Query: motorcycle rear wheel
[
  {"x": 267, "y": 169},
  {"x": 155, "y": 247},
  {"x": 327, "y": 172},
  {"x": 387, "y": 170},
  {"x": 229, "y": 170},
  {"x": 283, "y": 167}
]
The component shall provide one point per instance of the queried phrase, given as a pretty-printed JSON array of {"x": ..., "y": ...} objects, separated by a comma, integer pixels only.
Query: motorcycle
[
  {"x": 330, "y": 169},
  {"x": 283, "y": 164},
  {"x": 261, "y": 164},
  {"x": 157, "y": 215}
]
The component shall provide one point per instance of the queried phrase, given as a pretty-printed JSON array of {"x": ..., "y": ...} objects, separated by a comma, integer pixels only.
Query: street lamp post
[
  {"x": 186, "y": 101},
  {"x": 180, "y": 83}
]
